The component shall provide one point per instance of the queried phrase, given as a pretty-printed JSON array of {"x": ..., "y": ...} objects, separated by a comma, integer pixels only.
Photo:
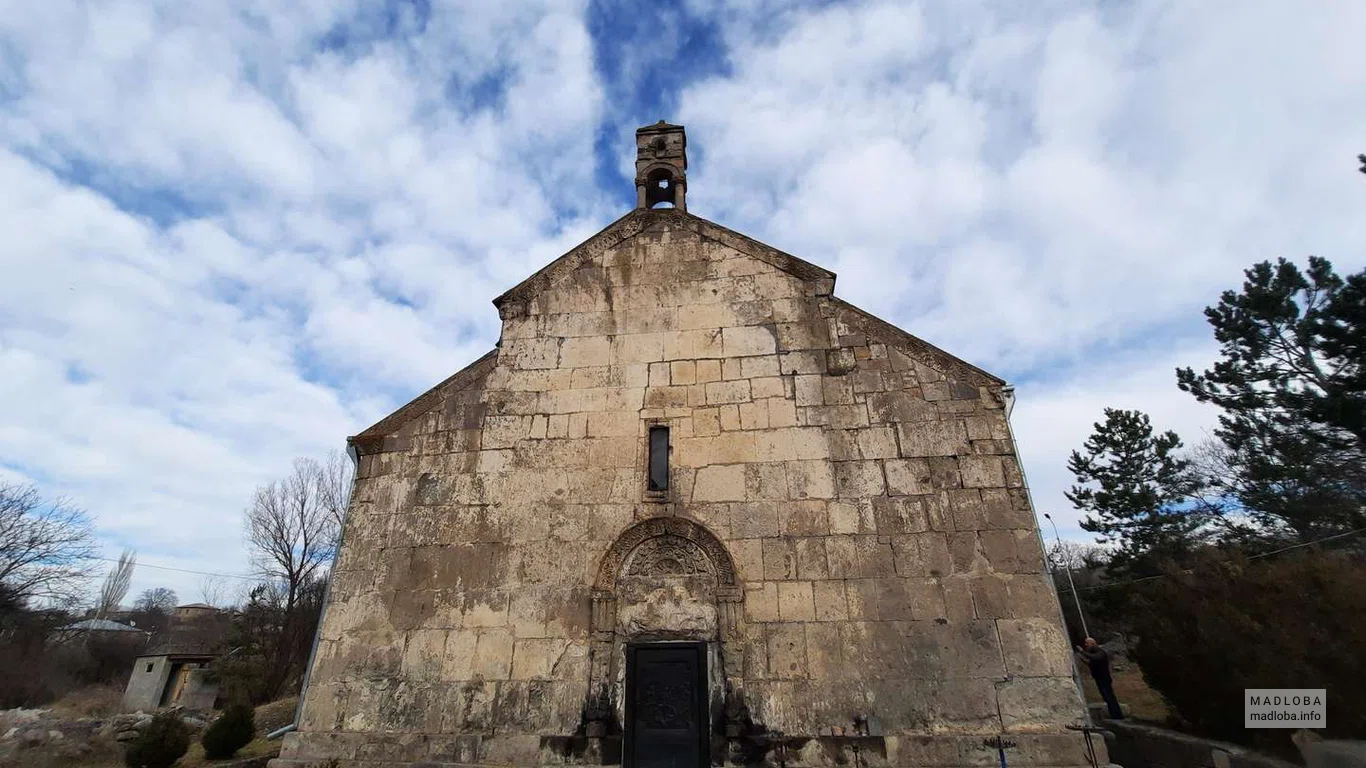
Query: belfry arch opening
[{"x": 661, "y": 189}]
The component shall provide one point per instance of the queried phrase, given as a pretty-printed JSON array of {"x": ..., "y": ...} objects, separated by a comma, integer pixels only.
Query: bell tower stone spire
[{"x": 661, "y": 166}]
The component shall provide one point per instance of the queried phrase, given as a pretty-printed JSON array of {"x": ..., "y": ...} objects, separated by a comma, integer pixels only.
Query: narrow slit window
[{"x": 659, "y": 458}]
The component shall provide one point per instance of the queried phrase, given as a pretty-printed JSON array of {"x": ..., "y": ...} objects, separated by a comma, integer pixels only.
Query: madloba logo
[{"x": 1291, "y": 701}]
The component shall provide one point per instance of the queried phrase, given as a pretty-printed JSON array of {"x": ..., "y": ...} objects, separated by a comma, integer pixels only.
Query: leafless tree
[
  {"x": 116, "y": 584},
  {"x": 291, "y": 529},
  {"x": 239, "y": 592},
  {"x": 46, "y": 547},
  {"x": 1084, "y": 562},
  {"x": 1071, "y": 554},
  {"x": 1211, "y": 459},
  {"x": 153, "y": 609},
  {"x": 334, "y": 477},
  {"x": 214, "y": 590},
  {"x": 159, "y": 600}
]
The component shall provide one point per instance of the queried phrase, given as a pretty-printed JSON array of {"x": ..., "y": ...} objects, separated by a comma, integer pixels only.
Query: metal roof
[{"x": 99, "y": 625}]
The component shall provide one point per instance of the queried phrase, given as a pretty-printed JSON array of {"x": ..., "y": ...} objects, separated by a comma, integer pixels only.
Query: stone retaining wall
[{"x": 1146, "y": 746}]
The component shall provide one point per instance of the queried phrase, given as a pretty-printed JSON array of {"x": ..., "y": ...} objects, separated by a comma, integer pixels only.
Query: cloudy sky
[{"x": 237, "y": 232}]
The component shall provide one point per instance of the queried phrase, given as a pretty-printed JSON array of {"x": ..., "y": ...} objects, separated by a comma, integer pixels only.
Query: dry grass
[
  {"x": 276, "y": 714},
  {"x": 257, "y": 748},
  {"x": 94, "y": 701},
  {"x": 269, "y": 717},
  {"x": 1132, "y": 690}
]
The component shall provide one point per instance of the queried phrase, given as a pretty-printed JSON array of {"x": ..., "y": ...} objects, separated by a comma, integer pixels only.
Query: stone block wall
[{"x": 862, "y": 482}]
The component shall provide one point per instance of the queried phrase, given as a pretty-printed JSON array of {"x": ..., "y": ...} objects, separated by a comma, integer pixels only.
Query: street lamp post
[{"x": 1077, "y": 598}]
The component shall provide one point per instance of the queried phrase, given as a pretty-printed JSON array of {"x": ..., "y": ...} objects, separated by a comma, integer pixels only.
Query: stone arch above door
[
  {"x": 666, "y": 545},
  {"x": 674, "y": 551}
]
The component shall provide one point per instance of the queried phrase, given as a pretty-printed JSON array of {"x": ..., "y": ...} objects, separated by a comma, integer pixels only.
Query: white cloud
[
  {"x": 236, "y": 244},
  {"x": 1053, "y": 419},
  {"x": 239, "y": 247},
  {"x": 1031, "y": 186}
]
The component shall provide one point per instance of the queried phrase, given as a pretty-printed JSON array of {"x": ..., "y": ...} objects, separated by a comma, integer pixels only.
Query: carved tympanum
[
  {"x": 683, "y": 542},
  {"x": 668, "y": 555}
]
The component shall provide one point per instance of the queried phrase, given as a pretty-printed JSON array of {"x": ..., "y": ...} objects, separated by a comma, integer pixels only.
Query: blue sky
[{"x": 240, "y": 232}]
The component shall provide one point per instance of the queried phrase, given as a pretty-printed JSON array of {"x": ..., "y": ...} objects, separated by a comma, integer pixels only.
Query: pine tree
[
  {"x": 160, "y": 744},
  {"x": 1292, "y": 386},
  {"x": 1139, "y": 493}
]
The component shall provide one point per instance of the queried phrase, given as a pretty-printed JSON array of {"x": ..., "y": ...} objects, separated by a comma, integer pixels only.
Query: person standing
[{"x": 1099, "y": 663}]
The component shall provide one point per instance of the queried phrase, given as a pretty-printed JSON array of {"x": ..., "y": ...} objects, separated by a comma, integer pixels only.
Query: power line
[
  {"x": 1250, "y": 557},
  {"x": 183, "y": 570},
  {"x": 1307, "y": 543}
]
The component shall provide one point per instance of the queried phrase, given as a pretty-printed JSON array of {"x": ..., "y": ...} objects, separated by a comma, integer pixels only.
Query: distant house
[
  {"x": 193, "y": 611},
  {"x": 174, "y": 671}
]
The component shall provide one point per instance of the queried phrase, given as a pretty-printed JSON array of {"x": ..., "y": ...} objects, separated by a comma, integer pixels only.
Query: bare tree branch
[
  {"x": 1072, "y": 554},
  {"x": 46, "y": 547},
  {"x": 214, "y": 590},
  {"x": 335, "y": 477},
  {"x": 291, "y": 527},
  {"x": 158, "y": 600}
]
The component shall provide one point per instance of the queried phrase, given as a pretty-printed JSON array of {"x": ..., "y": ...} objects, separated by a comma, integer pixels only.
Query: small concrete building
[
  {"x": 692, "y": 510},
  {"x": 174, "y": 671}
]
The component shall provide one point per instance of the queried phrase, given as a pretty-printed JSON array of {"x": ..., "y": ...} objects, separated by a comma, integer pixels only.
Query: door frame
[{"x": 703, "y": 693}]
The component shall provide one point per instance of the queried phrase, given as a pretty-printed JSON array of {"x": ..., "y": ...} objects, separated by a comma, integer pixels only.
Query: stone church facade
[{"x": 693, "y": 509}]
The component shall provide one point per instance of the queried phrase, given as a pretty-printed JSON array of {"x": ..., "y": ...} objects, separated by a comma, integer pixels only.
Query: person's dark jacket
[{"x": 1098, "y": 660}]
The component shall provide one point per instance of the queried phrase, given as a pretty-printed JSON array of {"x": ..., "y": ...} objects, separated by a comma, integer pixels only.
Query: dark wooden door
[{"x": 666, "y": 706}]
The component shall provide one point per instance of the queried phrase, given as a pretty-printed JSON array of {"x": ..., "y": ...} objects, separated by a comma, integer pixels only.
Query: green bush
[
  {"x": 1291, "y": 621},
  {"x": 160, "y": 744},
  {"x": 233, "y": 730}
]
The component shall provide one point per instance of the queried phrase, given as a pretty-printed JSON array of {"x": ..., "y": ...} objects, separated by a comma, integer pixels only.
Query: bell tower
[{"x": 661, "y": 166}]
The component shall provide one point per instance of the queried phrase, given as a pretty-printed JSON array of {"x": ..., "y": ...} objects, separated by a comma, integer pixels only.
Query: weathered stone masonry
[{"x": 845, "y": 527}]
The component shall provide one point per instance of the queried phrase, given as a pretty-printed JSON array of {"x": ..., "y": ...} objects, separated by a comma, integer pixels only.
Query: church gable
[
  {"x": 674, "y": 286},
  {"x": 660, "y": 279},
  {"x": 664, "y": 285},
  {"x": 660, "y": 241}
]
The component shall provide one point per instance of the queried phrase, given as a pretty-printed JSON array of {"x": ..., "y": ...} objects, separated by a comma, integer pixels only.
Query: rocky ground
[
  {"x": 47, "y": 738},
  {"x": 42, "y": 737}
]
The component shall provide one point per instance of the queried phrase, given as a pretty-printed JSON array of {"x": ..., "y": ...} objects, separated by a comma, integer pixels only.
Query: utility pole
[{"x": 1070, "y": 583}]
